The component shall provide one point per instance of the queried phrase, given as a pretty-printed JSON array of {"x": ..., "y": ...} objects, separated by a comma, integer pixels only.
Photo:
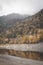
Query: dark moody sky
[{"x": 20, "y": 6}]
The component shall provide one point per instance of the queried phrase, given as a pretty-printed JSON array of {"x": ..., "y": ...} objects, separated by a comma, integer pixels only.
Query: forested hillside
[{"x": 29, "y": 30}]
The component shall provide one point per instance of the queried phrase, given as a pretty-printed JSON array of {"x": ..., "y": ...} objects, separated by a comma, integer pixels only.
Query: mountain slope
[{"x": 29, "y": 30}]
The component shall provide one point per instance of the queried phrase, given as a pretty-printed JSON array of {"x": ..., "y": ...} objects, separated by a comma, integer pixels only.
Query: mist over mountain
[
  {"x": 13, "y": 16},
  {"x": 9, "y": 20}
]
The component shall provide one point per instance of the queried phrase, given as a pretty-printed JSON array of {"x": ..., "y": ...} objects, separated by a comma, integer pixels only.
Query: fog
[{"x": 29, "y": 7}]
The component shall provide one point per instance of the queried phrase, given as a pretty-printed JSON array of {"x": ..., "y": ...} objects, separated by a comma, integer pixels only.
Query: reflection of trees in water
[{"x": 25, "y": 54}]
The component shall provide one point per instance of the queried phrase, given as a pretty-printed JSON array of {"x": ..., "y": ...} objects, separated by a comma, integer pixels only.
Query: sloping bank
[{"x": 12, "y": 60}]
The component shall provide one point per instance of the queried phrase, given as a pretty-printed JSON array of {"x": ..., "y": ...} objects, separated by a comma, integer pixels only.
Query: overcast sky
[{"x": 20, "y": 6}]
